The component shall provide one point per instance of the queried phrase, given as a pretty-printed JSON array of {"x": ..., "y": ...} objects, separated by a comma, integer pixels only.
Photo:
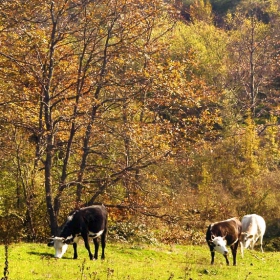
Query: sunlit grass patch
[{"x": 135, "y": 262}]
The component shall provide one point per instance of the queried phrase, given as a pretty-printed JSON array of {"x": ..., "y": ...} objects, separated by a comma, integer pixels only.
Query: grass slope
[{"x": 126, "y": 261}]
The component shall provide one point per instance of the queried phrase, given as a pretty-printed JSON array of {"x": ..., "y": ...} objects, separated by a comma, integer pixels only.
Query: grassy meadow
[{"x": 28, "y": 261}]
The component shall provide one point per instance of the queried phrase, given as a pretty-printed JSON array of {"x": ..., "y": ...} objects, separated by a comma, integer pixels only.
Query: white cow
[{"x": 253, "y": 228}]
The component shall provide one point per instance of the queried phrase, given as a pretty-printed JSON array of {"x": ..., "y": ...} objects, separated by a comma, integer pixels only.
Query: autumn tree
[
  {"x": 252, "y": 53},
  {"x": 78, "y": 75},
  {"x": 94, "y": 100}
]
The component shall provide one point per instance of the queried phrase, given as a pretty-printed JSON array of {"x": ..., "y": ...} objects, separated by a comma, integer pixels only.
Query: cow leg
[
  {"x": 261, "y": 241},
  {"x": 226, "y": 259},
  {"x": 75, "y": 250},
  {"x": 234, "y": 251},
  {"x": 253, "y": 244},
  {"x": 96, "y": 247},
  {"x": 212, "y": 257},
  {"x": 103, "y": 244},
  {"x": 242, "y": 249},
  {"x": 88, "y": 247}
]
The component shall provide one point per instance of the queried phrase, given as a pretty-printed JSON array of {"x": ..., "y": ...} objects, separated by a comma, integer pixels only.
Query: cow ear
[
  {"x": 212, "y": 236},
  {"x": 250, "y": 236},
  {"x": 51, "y": 244}
]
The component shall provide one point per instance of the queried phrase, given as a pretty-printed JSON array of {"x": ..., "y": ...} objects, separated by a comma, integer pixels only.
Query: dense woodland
[{"x": 165, "y": 111}]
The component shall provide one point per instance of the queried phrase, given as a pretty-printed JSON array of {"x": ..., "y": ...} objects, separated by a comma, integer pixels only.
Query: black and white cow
[
  {"x": 222, "y": 234},
  {"x": 253, "y": 228},
  {"x": 83, "y": 223}
]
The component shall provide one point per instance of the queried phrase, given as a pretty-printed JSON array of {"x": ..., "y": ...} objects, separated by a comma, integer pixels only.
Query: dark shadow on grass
[{"x": 46, "y": 255}]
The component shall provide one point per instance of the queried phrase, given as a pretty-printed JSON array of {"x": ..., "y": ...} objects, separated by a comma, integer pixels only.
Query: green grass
[{"x": 127, "y": 261}]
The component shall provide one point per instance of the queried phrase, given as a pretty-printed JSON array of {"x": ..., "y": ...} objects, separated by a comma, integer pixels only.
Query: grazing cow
[
  {"x": 253, "y": 228},
  {"x": 83, "y": 223},
  {"x": 224, "y": 233}
]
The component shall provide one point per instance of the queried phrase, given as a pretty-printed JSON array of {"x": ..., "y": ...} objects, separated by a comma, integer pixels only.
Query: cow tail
[{"x": 208, "y": 233}]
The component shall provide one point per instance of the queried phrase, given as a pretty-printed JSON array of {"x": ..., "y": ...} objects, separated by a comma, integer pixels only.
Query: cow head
[
  {"x": 60, "y": 245},
  {"x": 246, "y": 239},
  {"x": 219, "y": 243}
]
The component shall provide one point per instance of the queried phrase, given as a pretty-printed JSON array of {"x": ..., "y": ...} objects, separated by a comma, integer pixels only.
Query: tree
[
  {"x": 82, "y": 68},
  {"x": 96, "y": 102},
  {"x": 251, "y": 54},
  {"x": 201, "y": 10}
]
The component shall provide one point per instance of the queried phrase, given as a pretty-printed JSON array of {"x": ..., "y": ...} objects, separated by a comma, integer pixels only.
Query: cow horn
[{"x": 224, "y": 237}]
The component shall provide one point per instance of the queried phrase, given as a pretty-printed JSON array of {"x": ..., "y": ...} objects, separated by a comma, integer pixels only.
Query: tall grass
[{"x": 135, "y": 262}]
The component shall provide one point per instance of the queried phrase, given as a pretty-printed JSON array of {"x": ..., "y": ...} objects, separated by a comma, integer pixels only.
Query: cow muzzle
[{"x": 59, "y": 245}]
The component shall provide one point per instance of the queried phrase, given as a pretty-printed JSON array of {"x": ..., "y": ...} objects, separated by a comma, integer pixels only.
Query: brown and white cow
[
  {"x": 85, "y": 223},
  {"x": 253, "y": 228},
  {"x": 222, "y": 234}
]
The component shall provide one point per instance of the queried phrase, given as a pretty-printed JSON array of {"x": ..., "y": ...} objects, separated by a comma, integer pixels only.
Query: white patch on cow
[
  {"x": 72, "y": 239},
  {"x": 220, "y": 245},
  {"x": 70, "y": 218},
  {"x": 59, "y": 246},
  {"x": 95, "y": 235},
  {"x": 76, "y": 239}
]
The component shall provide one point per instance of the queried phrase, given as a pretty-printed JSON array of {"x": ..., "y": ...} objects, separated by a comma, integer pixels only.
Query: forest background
[{"x": 165, "y": 111}]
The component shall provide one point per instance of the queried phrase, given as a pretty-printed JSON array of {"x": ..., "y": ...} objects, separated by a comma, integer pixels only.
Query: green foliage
[
  {"x": 131, "y": 232},
  {"x": 232, "y": 176},
  {"x": 270, "y": 145},
  {"x": 201, "y": 45},
  {"x": 201, "y": 10},
  {"x": 223, "y": 6}
]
